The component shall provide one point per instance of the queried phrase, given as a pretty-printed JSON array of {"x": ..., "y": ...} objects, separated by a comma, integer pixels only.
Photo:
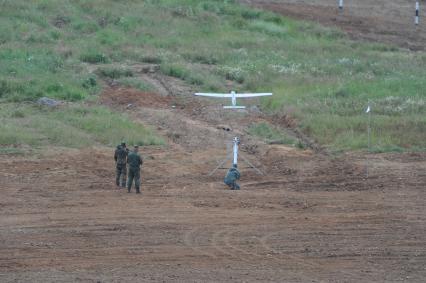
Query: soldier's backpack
[{"x": 121, "y": 155}]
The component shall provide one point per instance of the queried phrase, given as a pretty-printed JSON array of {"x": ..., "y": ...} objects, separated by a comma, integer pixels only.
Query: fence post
[{"x": 416, "y": 20}]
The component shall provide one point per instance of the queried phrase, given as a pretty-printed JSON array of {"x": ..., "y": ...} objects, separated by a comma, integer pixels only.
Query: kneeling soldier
[
  {"x": 231, "y": 178},
  {"x": 135, "y": 161}
]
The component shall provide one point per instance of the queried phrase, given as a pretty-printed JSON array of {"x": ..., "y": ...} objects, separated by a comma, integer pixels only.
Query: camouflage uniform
[
  {"x": 231, "y": 178},
  {"x": 120, "y": 157},
  {"x": 135, "y": 161}
]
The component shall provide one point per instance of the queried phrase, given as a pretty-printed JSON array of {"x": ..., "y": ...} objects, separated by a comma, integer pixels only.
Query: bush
[
  {"x": 94, "y": 58},
  {"x": 5, "y": 87},
  {"x": 90, "y": 82},
  {"x": 176, "y": 71},
  {"x": 208, "y": 59},
  {"x": 152, "y": 59},
  {"x": 232, "y": 74},
  {"x": 250, "y": 14},
  {"x": 115, "y": 73}
]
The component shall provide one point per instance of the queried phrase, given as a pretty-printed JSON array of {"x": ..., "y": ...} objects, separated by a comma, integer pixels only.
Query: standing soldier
[
  {"x": 120, "y": 157},
  {"x": 135, "y": 161},
  {"x": 231, "y": 178}
]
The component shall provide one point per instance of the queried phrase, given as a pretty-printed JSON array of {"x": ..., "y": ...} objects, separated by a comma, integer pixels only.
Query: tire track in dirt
[
  {"x": 222, "y": 242},
  {"x": 190, "y": 240},
  {"x": 300, "y": 261}
]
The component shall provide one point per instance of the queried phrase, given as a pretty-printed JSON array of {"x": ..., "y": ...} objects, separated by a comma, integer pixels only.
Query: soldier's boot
[
  {"x": 237, "y": 187},
  {"x": 138, "y": 191}
]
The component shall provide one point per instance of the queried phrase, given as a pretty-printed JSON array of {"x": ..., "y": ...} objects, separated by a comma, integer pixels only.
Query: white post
[
  {"x": 340, "y": 5},
  {"x": 236, "y": 143},
  {"x": 416, "y": 20},
  {"x": 369, "y": 135}
]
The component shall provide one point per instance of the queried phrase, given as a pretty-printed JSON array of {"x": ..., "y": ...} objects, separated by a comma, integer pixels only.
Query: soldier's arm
[
  {"x": 115, "y": 155},
  {"x": 140, "y": 160}
]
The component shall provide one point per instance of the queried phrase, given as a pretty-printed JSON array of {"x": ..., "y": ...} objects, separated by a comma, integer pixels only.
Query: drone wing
[
  {"x": 243, "y": 95},
  {"x": 223, "y": 95}
]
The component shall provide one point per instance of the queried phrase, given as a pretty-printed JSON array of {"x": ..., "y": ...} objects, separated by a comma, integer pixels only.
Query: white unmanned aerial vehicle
[{"x": 233, "y": 95}]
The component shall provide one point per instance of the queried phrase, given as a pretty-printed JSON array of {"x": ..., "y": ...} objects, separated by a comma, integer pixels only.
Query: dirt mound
[{"x": 129, "y": 97}]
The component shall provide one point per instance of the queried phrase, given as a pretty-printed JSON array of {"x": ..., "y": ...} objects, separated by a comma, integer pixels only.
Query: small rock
[{"x": 45, "y": 101}]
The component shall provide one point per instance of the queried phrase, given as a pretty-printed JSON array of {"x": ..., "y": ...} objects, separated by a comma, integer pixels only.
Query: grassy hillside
[
  {"x": 321, "y": 78},
  {"x": 71, "y": 126}
]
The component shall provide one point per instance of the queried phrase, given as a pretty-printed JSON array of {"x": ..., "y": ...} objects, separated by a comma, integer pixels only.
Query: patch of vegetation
[
  {"x": 11, "y": 150},
  {"x": 115, "y": 73},
  {"x": 94, "y": 58},
  {"x": 174, "y": 70},
  {"x": 271, "y": 134},
  {"x": 71, "y": 126},
  {"x": 152, "y": 59},
  {"x": 90, "y": 82},
  {"x": 135, "y": 83},
  {"x": 180, "y": 72}
]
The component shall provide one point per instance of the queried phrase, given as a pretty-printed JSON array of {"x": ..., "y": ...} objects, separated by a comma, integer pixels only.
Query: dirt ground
[
  {"x": 311, "y": 218},
  {"x": 380, "y": 20}
]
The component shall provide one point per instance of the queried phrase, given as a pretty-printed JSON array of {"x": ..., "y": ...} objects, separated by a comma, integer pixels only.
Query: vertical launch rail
[{"x": 235, "y": 155}]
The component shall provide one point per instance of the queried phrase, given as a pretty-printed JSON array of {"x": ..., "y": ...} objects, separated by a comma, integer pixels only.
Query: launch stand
[{"x": 234, "y": 156}]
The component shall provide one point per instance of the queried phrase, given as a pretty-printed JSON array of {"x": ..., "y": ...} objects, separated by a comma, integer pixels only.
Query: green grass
[
  {"x": 115, "y": 73},
  {"x": 271, "y": 134},
  {"x": 318, "y": 76},
  {"x": 70, "y": 126}
]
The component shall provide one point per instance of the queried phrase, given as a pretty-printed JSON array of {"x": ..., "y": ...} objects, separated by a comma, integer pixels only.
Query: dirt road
[
  {"x": 312, "y": 218},
  {"x": 379, "y": 21}
]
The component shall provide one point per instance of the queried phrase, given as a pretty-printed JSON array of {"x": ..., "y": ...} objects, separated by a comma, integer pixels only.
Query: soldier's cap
[{"x": 123, "y": 143}]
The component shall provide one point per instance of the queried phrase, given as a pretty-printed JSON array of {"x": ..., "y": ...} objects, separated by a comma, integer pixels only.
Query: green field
[
  {"x": 318, "y": 76},
  {"x": 71, "y": 126}
]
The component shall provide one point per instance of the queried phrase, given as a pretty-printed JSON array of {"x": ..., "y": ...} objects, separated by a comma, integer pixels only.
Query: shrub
[
  {"x": 176, "y": 71},
  {"x": 94, "y": 58},
  {"x": 90, "y": 82},
  {"x": 115, "y": 73},
  {"x": 232, "y": 74},
  {"x": 152, "y": 59},
  {"x": 5, "y": 87}
]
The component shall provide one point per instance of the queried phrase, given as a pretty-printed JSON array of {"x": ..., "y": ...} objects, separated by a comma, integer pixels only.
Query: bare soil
[
  {"x": 311, "y": 218},
  {"x": 384, "y": 21}
]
